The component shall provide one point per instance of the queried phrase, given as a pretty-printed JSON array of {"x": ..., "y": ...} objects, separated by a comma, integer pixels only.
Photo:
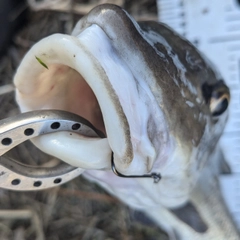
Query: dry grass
[{"x": 78, "y": 209}]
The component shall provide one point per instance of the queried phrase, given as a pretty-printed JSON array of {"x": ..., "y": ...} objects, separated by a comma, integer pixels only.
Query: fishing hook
[{"x": 156, "y": 176}]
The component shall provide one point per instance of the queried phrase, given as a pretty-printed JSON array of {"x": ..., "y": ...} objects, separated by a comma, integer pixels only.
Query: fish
[{"x": 161, "y": 104}]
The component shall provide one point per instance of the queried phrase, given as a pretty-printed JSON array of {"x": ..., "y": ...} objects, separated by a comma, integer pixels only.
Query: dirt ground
[{"x": 77, "y": 209}]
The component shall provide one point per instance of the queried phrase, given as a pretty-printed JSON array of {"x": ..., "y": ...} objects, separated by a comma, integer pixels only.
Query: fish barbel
[{"x": 160, "y": 104}]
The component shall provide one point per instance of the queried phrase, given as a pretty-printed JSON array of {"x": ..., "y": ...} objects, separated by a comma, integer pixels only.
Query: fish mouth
[{"x": 81, "y": 75}]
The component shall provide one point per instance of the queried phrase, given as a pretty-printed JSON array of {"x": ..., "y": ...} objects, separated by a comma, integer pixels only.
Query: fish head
[{"x": 158, "y": 101}]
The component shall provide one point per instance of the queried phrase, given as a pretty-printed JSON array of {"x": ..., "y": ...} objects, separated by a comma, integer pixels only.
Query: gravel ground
[{"x": 78, "y": 209}]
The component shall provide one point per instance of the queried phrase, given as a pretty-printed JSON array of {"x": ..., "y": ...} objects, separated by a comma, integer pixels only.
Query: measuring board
[{"x": 214, "y": 28}]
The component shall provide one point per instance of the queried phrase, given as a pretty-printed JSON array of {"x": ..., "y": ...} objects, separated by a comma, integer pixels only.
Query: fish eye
[
  {"x": 219, "y": 104},
  {"x": 217, "y": 96}
]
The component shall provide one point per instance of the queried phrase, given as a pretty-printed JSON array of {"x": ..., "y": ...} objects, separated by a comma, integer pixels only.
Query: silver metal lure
[{"x": 15, "y": 130}]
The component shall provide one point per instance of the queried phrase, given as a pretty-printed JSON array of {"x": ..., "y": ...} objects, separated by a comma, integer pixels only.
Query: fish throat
[{"x": 67, "y": 90}]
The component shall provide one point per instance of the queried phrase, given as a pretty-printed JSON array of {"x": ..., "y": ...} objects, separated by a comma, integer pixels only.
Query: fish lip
[{"x": 124, "y": 153}]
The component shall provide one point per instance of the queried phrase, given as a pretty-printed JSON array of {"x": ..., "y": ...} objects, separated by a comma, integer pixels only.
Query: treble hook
[{"x": 156, "y": 176}]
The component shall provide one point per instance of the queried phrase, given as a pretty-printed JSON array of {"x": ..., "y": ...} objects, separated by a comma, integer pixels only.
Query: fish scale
[{"x": 214, "y": 27}]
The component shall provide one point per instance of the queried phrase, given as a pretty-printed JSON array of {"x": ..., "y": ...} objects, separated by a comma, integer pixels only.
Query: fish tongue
[{"x": 76, "y": 150}]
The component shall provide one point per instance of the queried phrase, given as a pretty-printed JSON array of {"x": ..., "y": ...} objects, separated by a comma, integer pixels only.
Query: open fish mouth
[
  {"x": 126, "y": 80},
  {"x": 82, "y": 74}
]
